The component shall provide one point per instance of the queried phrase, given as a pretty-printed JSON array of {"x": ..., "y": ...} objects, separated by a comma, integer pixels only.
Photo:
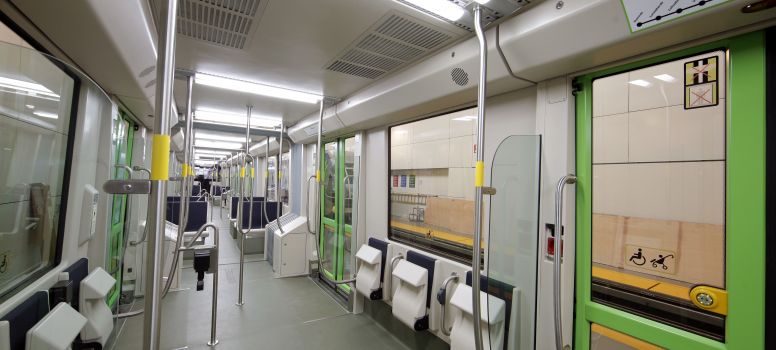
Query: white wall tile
[
  {"x": 648, "y": 191},
  {"x": 462, "y": 152},
  {"x": 648, "y": 136},
  {"x": 610, "y": 186},
  {"x": 610, "y": 139},
  {"x": 401, "y": 135},
  {"x": 697, "y": 192},
  {"x": 659, "y": 93},
  {"x": 456, "y": 183},
  {"x": 431, "y": 129},
  {"x": 401, "y": 157},
  {"x": 610, "y": 95},
  {"x": 463, "y": 125},
  {"x": 427, "y": 155},
  {"x": 697, "y": 134}
]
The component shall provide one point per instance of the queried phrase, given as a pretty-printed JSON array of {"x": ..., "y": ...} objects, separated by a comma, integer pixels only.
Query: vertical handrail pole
[
  {"x": 479, "y": 177},
  {"x": 558, "y": 257},
  {"x": 243, "y": 174},
  {"x": 317, "y": 203},
  {"x": 165, "y": 71},
  {"x": 213, "y": 312},
  {"x": 278, "y": 175}
]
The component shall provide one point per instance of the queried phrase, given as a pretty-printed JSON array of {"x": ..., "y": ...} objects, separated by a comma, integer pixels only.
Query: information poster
[{"x": 643, "y": 14}]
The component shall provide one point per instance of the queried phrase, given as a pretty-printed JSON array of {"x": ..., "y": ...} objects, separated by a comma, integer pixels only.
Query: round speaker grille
[{"x": 460, "y": 76}]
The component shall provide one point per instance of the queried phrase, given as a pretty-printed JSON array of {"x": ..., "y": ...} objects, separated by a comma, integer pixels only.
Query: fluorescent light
[
  {"x": 640, "y": 82},
  {"x": 481, "y": 2},
  {"x": 45, "y": 114},
  {"x": 467, "y": 118},
  {"x": 217, "y": 137},
  {"x": 254, "y": 88},
  {"x": 32, "y": 89},
  {"x": 666, "y": 78},
  {"x": 208, "y": 156},
  {"x": 217, "y": 144},
  {"x": 214, "y": 115},
  {"x": 30, "y": 106},
  {"x": 442, "y": 8},
  {"x": 207, "y": 151}
]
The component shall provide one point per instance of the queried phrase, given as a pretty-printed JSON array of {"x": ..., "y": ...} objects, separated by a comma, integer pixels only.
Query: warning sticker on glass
[
  {"x": 650, "y": 259},
  {"x": 700, "y": 83},
  {"x": 643, "y": 14}
]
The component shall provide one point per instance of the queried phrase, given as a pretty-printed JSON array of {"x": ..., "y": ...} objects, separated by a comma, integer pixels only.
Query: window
[
  {"x": 658, "y": 216},
  {"x": 431, "y": 183},
  {"x": 35, "y": 117}
]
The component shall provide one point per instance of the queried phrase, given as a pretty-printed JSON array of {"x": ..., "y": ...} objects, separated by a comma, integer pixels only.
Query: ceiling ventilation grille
[
  {"x": 395, "y": 40},
  {"x": 222, "y": 22}
]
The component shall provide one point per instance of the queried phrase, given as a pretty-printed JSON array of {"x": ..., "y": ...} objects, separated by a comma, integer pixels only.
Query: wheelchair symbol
[
  {"x": 638, "y": 258},
  {"x": 661, "y": 261}
]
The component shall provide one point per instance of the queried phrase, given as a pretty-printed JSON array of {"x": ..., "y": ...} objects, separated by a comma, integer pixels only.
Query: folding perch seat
[
  {"x": 57, "y": 330},
  {"x": 409, "y": 300},
  {"x": 94, "y": 288},
  {"x": 492, "y": 310},
  {"x": 368, "y": 276}
]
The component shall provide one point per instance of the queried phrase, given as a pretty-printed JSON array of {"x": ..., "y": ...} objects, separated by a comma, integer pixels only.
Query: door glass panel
[
  {"x": 659, "y": 160},
  {"x": 330, "y": 180},
  {"x": 603, "y": 338},
  {"x": 347, "y": 193},
  {"x": 513, "y": 240},
  {"x": 329, "y": 250}
]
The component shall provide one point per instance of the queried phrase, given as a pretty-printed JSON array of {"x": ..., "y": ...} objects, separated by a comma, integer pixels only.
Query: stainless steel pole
[
  {"x": 278, "y": 173},
  {"x": 165, "y": 71},
  {"x": 318, "y": 155},
  {"x": 479, "y": 177},
  {"x": 250, "y": 215}
]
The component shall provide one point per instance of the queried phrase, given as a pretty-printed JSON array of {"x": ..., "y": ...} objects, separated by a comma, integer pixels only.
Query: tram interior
[{"x": 386, "y": 174}]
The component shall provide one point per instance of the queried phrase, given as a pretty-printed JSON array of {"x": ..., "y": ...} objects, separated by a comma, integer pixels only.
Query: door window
[{"x": 659, "y": 163}]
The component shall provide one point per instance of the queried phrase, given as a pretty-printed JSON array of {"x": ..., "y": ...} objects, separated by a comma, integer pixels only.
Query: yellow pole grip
[
  {"x": 160, "y": 158},
  {"x": 242, "y": 171},
  {"x": 253, "y": 173},
  {"x": 479, "y": 174},
  {"x": 318, "y": 176},
  {"x": 184, "y": 170}
]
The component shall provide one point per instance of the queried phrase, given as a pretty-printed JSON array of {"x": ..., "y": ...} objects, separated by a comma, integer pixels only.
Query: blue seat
[{"x": 23, "y": 317}]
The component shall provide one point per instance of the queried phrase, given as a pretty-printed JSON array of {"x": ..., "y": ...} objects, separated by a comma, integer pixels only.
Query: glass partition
[
  {"x": 513, "y": 243},
  {"x": 36, "y": 97}
]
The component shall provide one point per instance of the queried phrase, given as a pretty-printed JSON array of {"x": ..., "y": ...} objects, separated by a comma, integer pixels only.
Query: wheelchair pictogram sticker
[{"x": 650, "y": 259}]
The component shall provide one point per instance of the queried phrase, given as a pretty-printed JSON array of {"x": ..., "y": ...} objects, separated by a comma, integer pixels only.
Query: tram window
[
  {"x": 430, "y": 184},
  {"x": 603, "y": 338},
  {"x": 659, "y": 163},
  {"x": 35, "y": 110}
]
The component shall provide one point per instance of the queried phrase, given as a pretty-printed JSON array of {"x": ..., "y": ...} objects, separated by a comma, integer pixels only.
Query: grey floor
[{"x": 289, "y": 313}]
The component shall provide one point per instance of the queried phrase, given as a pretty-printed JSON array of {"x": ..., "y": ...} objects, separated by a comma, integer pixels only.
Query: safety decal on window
[
  {"x": 650, "y": 259},
  {"x": 701, "y": 83}
]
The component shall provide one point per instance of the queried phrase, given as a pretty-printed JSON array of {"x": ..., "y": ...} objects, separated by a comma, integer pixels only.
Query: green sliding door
[
  {"x": 123, "y": 134},
  {"x": 670, "y": 201},
  {"x": 337, "y": 193}
]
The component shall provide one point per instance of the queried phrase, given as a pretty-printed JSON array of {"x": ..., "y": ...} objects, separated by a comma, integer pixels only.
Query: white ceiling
[{"x": 292, "y": 42}]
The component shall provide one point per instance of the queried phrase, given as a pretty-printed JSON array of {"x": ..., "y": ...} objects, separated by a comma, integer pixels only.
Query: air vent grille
[
  {"x": 395, "y": 40},
  {"x": 221, "y": 22}
]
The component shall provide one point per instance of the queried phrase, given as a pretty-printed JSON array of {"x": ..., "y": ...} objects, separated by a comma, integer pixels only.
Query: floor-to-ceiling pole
[
  {"x": 165, "y": 71},
  {"x": 278, "y": 173},
  {"x": 479, "y": 177}
]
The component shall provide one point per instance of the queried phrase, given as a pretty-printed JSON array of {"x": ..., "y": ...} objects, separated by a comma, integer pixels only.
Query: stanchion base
[
  {"x": 239, "y": 304},
  {"x": 212, "y": 343}
]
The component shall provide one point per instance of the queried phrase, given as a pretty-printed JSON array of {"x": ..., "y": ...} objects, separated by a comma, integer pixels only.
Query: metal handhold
[
  {"x": 490, "y": 191},
  {"x": 127, "y": 186}
]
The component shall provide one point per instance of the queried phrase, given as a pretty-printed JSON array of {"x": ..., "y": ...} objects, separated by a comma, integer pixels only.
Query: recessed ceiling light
[
  {"x": 442, "y": 8},
  {"x": 640, "y": 82},
  {"x": 466, "y": 118},
  {"x": 33, "y": 89},
  {"x": 46, "y": 114},
  {"x": 666, "y": 78},
  {"x": 208, "y": 151},
  {"x": 254, "y": 88},
  {"x": 217, "y": 144},
  {"x": 483, "y": 2},
  {"x": 30, "y": 106},
  {"x": 213, "y": 115},
  {"x": 218, "y": 137}
]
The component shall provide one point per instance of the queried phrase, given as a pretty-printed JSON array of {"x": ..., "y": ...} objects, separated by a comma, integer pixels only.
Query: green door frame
[
  {"x": 745, "y": 222},
  {"x": 117, "y": 228},
  {"x": 338, "y": 222}
]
